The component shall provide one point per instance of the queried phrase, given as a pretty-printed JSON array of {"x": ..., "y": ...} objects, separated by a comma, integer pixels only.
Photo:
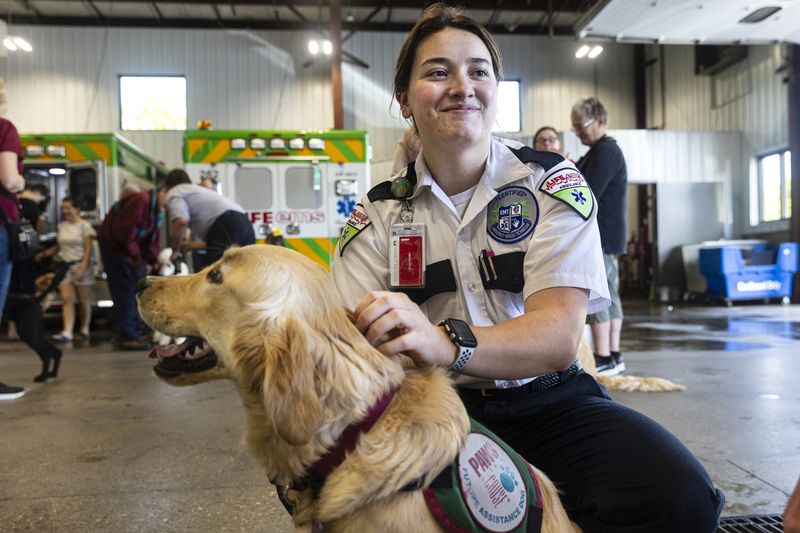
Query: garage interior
[{"x": 698, "y": 100}]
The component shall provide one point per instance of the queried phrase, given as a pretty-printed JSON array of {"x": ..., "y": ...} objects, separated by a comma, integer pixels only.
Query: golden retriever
[
  {"x": 623, "y": 383},
  {"x": 270, "y": 320}
]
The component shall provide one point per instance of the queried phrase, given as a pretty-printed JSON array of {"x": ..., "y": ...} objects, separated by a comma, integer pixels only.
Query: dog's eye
[{"x": 214, "y": 276}]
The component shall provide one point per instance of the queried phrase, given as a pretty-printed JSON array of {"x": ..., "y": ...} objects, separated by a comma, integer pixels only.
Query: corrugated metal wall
[
  {"x": 748, "y": 97},
  {"x": 249, "y": 79}
]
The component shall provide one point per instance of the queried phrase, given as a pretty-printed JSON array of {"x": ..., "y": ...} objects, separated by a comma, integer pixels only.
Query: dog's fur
[
  {"x": 623, "y": 383},
  {"x": 305, "y": 373},
  {"x": 26, "y": 311}
]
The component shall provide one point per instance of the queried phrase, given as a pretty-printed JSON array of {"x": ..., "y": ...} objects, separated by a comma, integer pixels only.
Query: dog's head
[{"x": 264, "y": 316}]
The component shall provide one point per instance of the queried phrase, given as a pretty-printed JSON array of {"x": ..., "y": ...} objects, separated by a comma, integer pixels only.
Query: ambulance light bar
[
  {"x": 296, "y": 144},
  {"x": 238, "y": 144},
  {"x": 316, "y": 144},
  {"x": 55, "y": 150},
  {"x": 258, "y": 144},
  {"x": 34, "y": 150},
  {"x": 277, "y": 144}
]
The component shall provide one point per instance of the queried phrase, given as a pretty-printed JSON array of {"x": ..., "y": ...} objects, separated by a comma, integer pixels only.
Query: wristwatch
[{"x": 462, "y": 336}]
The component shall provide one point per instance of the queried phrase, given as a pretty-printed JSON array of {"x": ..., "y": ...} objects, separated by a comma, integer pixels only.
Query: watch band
[{"x": 464, "y": 355}]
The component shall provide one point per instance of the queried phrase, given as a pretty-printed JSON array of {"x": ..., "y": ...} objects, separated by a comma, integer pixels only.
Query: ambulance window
[
  {"x": 253, "y": 187},
  {"x": 300, "y": 193}
]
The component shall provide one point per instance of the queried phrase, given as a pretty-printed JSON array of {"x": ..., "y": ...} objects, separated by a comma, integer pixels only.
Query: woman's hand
[
  {"x": 80, "y": 272},
  {"x": 393, "y": 323}
]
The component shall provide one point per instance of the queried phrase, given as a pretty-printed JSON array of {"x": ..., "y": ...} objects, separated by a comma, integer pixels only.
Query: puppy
[
  {"x": 360, "y": 441},
  {"x": 26, "y": 311},
  {"x": 167, "y": 268}
]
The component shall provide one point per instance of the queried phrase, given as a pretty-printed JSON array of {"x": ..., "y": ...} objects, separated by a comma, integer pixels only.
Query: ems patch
[
  {"x": 512, "y": 215},
  {"x": 569, "y": 186},
  {"x": 357, "y": 222},
  {"x": 492, "y": 485}
]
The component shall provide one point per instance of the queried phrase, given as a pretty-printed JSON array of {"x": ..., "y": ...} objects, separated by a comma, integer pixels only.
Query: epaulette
[
  {"x": 547, "y": 160},
  {"x": 383, "y": 190}
]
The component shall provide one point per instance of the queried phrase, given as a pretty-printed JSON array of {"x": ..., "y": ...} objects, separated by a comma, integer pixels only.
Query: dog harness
[{"x": 487, "y": 488}]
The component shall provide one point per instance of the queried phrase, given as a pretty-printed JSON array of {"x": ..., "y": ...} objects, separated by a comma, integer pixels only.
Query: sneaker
[
  {"x": 605, "y": 365},
  {"x": 8, "y": 392},
  {"x": 619, "y": 361},
  {"x": 61, "y": 337}
]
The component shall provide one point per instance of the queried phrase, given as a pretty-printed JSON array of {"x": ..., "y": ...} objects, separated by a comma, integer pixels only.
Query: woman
[
  {"x": 11, "y": 182},
  {"x": 546, "y": 139},
  {"x": 74, "y": 252},
  {"x": 512, "y": 300}
]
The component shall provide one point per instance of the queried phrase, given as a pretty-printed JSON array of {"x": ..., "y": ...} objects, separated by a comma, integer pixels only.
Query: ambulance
[
  {"x": 92, "y": 167},
  {"x": 304, "y": 184}
]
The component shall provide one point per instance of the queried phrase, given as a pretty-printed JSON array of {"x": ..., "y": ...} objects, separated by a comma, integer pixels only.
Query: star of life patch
[
  {"x": 512, "y": 214},
  {"x": 357, "y": 222},
  {"x": 569, "y": 186}
]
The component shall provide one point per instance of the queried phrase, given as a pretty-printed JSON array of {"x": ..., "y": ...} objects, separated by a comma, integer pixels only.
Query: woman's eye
[
  {"x": 438, "y": 73},
  {"x": 481, "y": 73},
  {"x": 214, "y": 276}
]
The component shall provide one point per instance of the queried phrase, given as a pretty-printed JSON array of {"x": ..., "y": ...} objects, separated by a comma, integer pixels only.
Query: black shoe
[
  {"x": 605, "y": 365},
  {"x": 619, "y": 361},
  {"x": 9, "y": 392}
]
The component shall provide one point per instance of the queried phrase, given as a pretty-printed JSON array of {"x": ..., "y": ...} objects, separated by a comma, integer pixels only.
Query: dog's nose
[{"x": 142, "y": 284}]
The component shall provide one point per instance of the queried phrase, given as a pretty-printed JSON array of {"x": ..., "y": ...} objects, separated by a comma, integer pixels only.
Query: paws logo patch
[
  {"x": 569, "y": 187},
  {"x": 512, "y": 215}
]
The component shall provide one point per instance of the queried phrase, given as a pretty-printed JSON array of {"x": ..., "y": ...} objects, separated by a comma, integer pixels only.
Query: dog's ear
[{"x": 290, "y": 388}]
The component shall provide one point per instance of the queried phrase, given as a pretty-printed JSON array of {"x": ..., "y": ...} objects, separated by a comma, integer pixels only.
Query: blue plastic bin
[{"x": 764, "y": 271}]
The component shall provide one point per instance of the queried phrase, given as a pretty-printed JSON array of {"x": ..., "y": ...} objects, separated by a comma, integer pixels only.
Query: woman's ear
[{"x": 402, "y": 99}]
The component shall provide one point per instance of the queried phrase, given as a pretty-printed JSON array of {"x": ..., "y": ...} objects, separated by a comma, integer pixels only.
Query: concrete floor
[{"x": 108, "y": 447}]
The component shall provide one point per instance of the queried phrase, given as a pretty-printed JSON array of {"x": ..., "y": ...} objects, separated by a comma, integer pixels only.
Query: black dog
[{"x": 26, "y": 311}]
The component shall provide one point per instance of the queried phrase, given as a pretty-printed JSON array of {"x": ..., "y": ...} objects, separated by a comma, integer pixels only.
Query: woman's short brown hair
[{"x": 434, "y": 19}]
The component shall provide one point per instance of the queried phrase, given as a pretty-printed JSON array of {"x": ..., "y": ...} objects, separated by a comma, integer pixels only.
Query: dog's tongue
[{"x": 164, "y": 352}]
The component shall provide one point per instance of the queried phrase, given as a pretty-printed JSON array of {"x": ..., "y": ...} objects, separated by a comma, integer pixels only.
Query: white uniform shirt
[{"x": 558, "y": 247}]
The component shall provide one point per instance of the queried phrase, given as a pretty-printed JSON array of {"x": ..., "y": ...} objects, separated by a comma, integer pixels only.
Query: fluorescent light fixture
[
  {"x": 313, "y": 47},
  {"x": 327, "y": 47},
  {"x": 760, "y": 14},
  {"x": 8, "y": 43},
  {"x": 23, "y": 44},
  {"x": 105, "y": 303},
  {"x": 57, "y": 171},
  {"x": 596, "y": 51},
  {"x": 582, "y": 51}
]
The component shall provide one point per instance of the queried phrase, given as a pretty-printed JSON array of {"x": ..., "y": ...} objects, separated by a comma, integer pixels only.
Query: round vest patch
[
  {"x": 512, "y": 214},
  {"x": 492, "y": 486}
]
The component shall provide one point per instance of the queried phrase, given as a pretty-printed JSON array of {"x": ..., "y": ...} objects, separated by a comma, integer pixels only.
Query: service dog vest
[{"x": 488, "y": 488}]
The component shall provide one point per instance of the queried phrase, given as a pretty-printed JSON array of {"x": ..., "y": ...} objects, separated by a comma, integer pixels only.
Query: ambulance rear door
[
  {"x": 254, "y": 186},
  {"x": 86, "y": 181}
]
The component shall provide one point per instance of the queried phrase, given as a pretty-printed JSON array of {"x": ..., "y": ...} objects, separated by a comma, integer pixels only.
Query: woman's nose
[{"x": 461, "y": 86}]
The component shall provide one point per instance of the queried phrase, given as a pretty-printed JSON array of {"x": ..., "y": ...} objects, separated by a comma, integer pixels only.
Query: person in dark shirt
[
  {"x": 603, "y": 166},
  {"x": 128, "y": 239}
]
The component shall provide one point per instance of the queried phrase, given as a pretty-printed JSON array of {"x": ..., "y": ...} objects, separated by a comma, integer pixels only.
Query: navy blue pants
[
  {"x": 122, "y": 277},
  {"x": 618, "y": 470},
  {"x": 231, "y": 228}
]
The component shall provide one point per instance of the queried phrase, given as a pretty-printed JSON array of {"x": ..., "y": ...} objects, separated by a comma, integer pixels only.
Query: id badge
[{"x": 407, "y": 256}]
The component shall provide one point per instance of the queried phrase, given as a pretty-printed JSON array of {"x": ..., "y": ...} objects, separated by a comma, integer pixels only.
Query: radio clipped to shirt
[{"x": 407, "y": 256}]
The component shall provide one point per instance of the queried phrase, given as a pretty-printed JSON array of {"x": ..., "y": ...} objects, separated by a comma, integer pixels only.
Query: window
[
  {"x": 508, "y": 108},
  {"x": 152, "y": 102},
  {"x": 773, "y": 190}
]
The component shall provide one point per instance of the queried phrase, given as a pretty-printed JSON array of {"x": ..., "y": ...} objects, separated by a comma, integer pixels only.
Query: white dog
[{"x": 167, "y": 268}]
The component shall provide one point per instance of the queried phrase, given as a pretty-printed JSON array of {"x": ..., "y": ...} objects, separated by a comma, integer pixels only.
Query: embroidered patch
[
  {"x": 492, "y": 485},
  {"x": 569, "y": 186},
  {"x": 512, "y": 215},
  {"x": 355, "y": 224}
]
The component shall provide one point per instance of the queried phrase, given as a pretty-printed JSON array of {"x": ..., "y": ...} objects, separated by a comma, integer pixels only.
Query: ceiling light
[
  {"x": 582, "y": 51},
  {"x": 8, "y": 43},
  {"x": 327, "y": 47},
  {"x": 23, "y": 44},
  {"x": 596, "y": 51},
  {"x": 313, "y": 47},
  {"x": 57, "y": 171},
  {"x": 760, "y": 14}
]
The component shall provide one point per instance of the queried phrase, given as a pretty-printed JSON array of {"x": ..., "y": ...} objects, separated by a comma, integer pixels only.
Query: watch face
[{"x": 464, "y": 336}]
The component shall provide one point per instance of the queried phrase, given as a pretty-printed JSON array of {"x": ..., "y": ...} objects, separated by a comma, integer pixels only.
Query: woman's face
[
  {"x": 547, "y": 141},
  {"x": 69, "y": 211},
  {"x": 452, "y": 93}
]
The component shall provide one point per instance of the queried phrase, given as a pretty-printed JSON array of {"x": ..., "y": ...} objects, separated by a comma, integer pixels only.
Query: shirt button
[{"x": 471, "y": 287}]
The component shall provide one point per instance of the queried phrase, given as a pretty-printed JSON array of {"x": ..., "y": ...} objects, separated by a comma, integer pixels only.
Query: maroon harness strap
[{"x": 320, "y": 471}]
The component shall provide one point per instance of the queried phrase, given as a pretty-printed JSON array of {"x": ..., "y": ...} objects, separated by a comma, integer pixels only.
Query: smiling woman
[{"x": 483, "y": 256}]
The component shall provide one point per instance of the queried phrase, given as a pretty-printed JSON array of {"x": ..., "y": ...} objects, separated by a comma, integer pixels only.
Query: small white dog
[{"x": 167, "y": 268}]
